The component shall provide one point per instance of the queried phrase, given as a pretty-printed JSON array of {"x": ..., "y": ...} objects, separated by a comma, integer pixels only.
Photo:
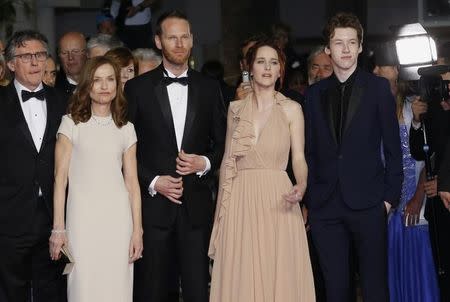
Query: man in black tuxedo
[
  {"x": 179, "y": 119},
  {"x": 350, "y": 119},
  {"x": 30, "y": 113}
]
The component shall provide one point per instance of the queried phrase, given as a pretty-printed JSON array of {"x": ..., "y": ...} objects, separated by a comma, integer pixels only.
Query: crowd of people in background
[{"x": 312, "y": 188}]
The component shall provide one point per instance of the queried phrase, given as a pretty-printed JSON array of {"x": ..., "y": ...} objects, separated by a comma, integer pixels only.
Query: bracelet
[{"x": 58, "y": 231}]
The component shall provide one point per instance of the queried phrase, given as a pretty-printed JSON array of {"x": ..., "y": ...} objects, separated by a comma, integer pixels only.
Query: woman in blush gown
[{"x": 258, "y": 241}]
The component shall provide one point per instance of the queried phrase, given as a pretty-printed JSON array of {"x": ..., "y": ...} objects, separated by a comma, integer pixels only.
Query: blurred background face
[
  {"x": 104, "y": 85},
  {"x": 97, "y": 51},
  {"x": 107, "y": 27},
  {"x": 127, "y": 73},
  {"x": 50, "y": 73},
  {"x": 29, "y": 71},
  {"x": 388, "y": 72},
  {"x": 445, "y": 76},
  {"x": 72, "y": 53},
  {"x": 145, "y": 66},
  {"x": 2, "y": 48},
  {"x": 281, "y": 38},
  {"x": 320, "y": 68}
]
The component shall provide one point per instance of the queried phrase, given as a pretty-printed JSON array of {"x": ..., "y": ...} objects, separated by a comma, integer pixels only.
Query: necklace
[{"x": 102, "y": 121}]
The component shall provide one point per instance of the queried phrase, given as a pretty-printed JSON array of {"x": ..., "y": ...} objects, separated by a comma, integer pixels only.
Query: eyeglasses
[
  {"x": 73, "y": 52},
  {"x": 40, "y": 56}
]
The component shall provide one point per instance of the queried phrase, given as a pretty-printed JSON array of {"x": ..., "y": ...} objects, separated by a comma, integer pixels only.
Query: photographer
[{"x": 434, "y": 116}]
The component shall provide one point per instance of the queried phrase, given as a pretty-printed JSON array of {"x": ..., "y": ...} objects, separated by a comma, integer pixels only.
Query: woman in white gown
[{"x": 96, "y": 156}]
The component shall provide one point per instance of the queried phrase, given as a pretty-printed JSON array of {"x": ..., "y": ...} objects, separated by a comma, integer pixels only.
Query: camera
[{"x": 431, "y": 86}]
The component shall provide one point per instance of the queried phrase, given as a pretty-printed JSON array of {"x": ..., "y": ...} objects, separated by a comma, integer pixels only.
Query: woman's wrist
[
  {"x": 59, "y": 226},
  {"x": 58, "y": 231},
  {"x": 138, "y": 230},
  {"x": 301, "y": 186}
]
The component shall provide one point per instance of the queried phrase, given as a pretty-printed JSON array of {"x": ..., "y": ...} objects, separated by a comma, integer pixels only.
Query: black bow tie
[
  {"x": 26, "y": 95},
  {"x": 168, "y": 80}
]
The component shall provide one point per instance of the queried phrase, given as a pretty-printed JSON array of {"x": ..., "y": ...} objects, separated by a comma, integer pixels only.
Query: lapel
[
  {"x": 51, "y": 115},
  {"x": 191, "y": 108},
  {"x": 326, "y": 99},
  {"x": 163, "y": 100},
  {"x": 355, "y": 101},
  {"x": 17, "y": 115}
]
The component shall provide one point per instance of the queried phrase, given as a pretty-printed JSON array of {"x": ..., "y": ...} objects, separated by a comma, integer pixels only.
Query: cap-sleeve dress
[{"x": 98, "y": 219}]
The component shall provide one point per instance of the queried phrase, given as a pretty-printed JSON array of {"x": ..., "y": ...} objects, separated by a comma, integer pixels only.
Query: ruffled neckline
[{"x": 242, "y": 141}]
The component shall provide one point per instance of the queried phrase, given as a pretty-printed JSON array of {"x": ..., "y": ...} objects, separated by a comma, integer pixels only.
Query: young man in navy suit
[{"x": 351, "y": 124}]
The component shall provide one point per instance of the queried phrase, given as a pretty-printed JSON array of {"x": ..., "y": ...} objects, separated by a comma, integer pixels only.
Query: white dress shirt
[
  {"x": 35, "y": 113},
  {"x": 178, "y": 96},
  {"x": 71, "y": 81}
]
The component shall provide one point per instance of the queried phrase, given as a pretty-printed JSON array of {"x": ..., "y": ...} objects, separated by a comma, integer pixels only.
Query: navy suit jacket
[{"x": 355, "y": 165}]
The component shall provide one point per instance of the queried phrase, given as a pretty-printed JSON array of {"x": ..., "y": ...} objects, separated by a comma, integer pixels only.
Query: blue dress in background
[{"x": 412, "y": 275}]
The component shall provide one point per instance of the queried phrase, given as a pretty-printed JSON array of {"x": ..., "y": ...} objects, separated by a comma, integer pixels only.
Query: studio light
[{"x": 415, "y": 48}]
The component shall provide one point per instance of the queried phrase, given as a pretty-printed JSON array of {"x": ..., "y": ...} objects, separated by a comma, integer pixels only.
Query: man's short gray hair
[
  {"x": 20, "y": 38},
  {"x": 314, "y": 53},
  {"x": 105, "y": 41},
  {"x": 147, "y": 54}
]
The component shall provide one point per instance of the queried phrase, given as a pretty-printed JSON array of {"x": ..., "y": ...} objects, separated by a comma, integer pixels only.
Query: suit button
[{"x": 340, "y": 156}]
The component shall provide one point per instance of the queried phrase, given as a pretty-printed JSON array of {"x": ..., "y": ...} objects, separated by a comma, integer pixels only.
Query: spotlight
[{"x": 415, "y": 49}]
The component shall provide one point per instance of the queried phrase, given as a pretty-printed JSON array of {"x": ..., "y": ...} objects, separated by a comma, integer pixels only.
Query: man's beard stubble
[{"x": 174, "y": 59}]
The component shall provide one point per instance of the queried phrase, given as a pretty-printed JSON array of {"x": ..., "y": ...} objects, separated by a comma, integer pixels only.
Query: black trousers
[
  {"x": 439, "y": 229},
  {"x": 25, "y": 266},
  {"x": 333, "y": 228},
  {"x": 182, "y": 245}
]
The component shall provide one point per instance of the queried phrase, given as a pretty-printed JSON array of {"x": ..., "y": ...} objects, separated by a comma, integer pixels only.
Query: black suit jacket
[
  {"x": 63, "y": 85},
  {"x": 204, "y": 134},
  {"x": 23, "y": 168}
]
